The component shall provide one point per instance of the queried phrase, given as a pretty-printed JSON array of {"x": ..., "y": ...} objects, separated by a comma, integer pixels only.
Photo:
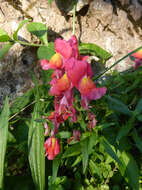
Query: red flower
[
  {"x": 52, "y": 148},
  {"x": 76, "y": 136},
  {"x": 54, "y": 63},
  {"x": 59, "y": 86},
  {"x": 68, "y": 48},
  {"x": 92, "y": 121},
  {"x": 137, "y": 54},
  {"x": 137, "y": 57},
  {"x": 75, "y": 69},
  {"x": 89, "y": 91}
]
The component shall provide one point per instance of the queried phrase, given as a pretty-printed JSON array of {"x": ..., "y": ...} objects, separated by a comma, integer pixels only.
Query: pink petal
[
  {"x": 75, "y": 69},
  {"x": 57, "y": 147},
  {"x": 63, "y": 47},
  {"x": 96, "y": 93},
  {"x": 44, "y": 64}
]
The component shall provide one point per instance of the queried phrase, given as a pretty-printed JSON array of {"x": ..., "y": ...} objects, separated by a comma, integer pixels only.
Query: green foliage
[
  {"x": 39, "y": 30},
  {"x": 4, "y": 36},
  {"x": 15, "y": 35},
  {"x": 5, "y": 49},
  {"x": 106, "y": 157},
  {"x": 46, "y": 52},
  {"x": 93, "y": 49},
  {"x": 130, "y": 170},
  {"x": 3, "y": 138},
  {"x": 36, "y": 145},
  {"x": 50, "y": 1}
]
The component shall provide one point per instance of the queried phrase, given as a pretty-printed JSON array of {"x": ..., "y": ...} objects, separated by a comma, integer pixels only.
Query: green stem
[
  {"x": 28, "y": 44},
  {"x": 74, "y": 17},
  {"x": 121, "y": 59}
]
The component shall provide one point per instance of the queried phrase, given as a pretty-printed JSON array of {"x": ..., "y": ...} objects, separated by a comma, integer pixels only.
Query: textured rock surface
[{"x": 114, "y": 25}]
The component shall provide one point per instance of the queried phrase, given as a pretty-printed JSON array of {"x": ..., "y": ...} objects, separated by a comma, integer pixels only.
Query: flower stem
[
  {"x": 74, "y": 17},
  {"x": 121, "y": 59}
]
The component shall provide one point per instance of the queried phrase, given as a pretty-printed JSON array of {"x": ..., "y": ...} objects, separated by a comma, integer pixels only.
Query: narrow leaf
[
  {"x": 4, "y": 36},
  {"x": 94, "y": 168},
  {"x": 64, "y": 134},
  {"x": 93, "y": 49},
  {"x": 36, "y": 149},
  {"x": 84, "y": 148},
  {"x": 5, "y": 49},
  {"x": 22, "y": 101},
  {"x": 117, "y": 105},
  {"x": 124, "y": 130},
  {"x": 15, "y": 35},
  {"x": 3, "y": 138},
  {"x": 139, "y": 106},
  {"x": 129, "y": 170},
  {"x": 72, "y": 151},
  {"x": 110, "y": 151},
  {"x": 137, "y": 140},
  {"x": 38, "y": 29},
  {"x": 55, "y": 166}
]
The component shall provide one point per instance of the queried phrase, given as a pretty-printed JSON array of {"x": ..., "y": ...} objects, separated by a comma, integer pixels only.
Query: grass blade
[
  {"x": 36, "y": 149},
  {"x": 3, "y": 138}
]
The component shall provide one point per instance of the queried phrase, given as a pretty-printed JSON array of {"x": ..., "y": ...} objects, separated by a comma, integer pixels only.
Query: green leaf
[
  {"x": 3, "y": 138},
  {"x": 109, "y": 149},
  {"x": 93, "y": 49},
  {"x": 4, "y": 36},
  {"x": 124, "y": 130},
  {"x": 11, "y": 138},
  {"x": 137, "y": 140},
  {"x": 117, "y": 105},
  {"x": 38, "y": 29},
  {"x": 5, "y": 49},
  {"x": 92, "y": 141},
  {"x": 94, "y": 168},
  {"x": 72, "y": 151},
  {"x": 46, "y": 52},
  {"x": 21, "y": 102},
  {"x": 84, "y": 148},
  {"x": 64, "y": 135},
  {"x": 36, "y": 148},
  {"x": 139, "y": 106},
  {"x": 50, "y": 1},
  {"x": 129, "y": 170},
  {"x": 15, "y": 35},
  {"x": 55, "y": 166}
]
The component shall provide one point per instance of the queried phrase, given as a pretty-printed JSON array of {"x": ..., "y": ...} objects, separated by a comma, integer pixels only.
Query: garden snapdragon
[{"x": 71, "y": 70}]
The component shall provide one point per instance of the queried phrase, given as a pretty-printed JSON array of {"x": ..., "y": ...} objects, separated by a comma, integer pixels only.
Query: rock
[
  {"x": 67, "y": 6},
  {"x": 114, "y": 25}
]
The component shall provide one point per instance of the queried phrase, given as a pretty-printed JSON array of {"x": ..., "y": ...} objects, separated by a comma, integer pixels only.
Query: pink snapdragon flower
[
  {"x": 76, "y": 136},
  {"x": 138, "y": 58},
  {"x": 52, "y": 147},
  {"x": 59, "y": 86},
  {"x": 54, "y": 63},
  {"x": 89, "y": 91},
  {"x": 71, "y": 70}
]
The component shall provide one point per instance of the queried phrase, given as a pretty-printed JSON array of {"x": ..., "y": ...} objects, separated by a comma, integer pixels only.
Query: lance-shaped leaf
[
  {"x": 36, "y": 149},
  {"x": 93, "y": 49},
  {"x": 129, "y": 170},
  {"x": 118, "y": 106},
  {"x": 109, "y": 149},
  {"x": 15, "y": 35},
  {"x": 3, "y": 138}
]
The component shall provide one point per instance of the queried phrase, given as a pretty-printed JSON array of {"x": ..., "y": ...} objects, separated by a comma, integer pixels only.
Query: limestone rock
[{"x": 114, "y": 25}]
